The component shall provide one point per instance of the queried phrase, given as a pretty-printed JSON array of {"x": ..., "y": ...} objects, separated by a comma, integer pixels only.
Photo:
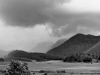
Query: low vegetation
[{"x": 1, "y": 59}]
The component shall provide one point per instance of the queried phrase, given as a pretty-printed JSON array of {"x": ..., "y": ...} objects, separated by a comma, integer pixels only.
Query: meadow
[{"x": 60, "y": 68}]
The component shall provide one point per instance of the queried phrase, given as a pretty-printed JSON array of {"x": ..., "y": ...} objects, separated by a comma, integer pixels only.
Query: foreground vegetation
[
  {"x": 17, "y": 68},
  {"x": 55, "y": 68}
]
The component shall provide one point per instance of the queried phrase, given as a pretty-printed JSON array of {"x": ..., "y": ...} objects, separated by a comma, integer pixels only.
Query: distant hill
[
  {"x": 45, "y": 46},
  {"x": 76, "y": 44},
  {"x": 59, "y": 42},
  {"x": 23, "y": 55},
  {"x": 42, "y": 47},
  {"x": 3, "y": 53}
]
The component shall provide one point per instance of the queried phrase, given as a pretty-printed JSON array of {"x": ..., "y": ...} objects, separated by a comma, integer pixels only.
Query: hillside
[
  {"x": 94, "y": 50},
  {"x": 76, "y": 44},
  {"x": 23, "y": 55}
]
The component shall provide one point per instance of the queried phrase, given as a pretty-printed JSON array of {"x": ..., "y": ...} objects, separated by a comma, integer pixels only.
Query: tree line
[{"x": 82, "y": 58}]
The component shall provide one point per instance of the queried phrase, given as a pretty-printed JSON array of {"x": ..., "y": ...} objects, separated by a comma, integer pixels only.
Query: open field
[{"x": 57, "y": 67}]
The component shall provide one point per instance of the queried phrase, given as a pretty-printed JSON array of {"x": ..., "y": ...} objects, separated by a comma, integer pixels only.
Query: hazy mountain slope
[
  {"x": 76, "y": 44},
  {"x": 59, "y": 42},
  {"x": 3, "y": 53},
  {"x": 42, "y": 47}
]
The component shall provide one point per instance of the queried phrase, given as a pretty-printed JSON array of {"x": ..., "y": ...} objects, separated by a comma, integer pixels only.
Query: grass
[
  {"x": 61, "y": 65},
  {"x": 55, "y": 68}
]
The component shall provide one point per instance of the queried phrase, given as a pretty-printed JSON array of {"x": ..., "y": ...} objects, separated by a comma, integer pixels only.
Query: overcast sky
[{"x": 25, "y": 23}]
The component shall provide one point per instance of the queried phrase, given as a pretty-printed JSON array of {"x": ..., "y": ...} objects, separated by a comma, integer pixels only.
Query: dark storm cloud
[{"x": 27, "y": 13}]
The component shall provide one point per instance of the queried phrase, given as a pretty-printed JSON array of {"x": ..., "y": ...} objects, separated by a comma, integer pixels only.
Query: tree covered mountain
[{"x": 78, "y": 43}]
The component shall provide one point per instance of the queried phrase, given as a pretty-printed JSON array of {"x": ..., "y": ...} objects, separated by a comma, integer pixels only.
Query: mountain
[
  {"x": 76, "y": 44},
  {"x": 42, "y": 47},
  {"x": 59, "y": 42}
]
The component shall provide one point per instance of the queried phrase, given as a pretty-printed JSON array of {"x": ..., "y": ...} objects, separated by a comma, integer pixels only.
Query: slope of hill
[
  {"x": 94, "y": 50},
  {"x": 77, "y": 44}
]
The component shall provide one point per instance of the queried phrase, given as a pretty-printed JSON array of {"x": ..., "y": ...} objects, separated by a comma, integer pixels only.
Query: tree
[
  {"x": 78, "y": 58},
  {"x": 71, "y": 58}
]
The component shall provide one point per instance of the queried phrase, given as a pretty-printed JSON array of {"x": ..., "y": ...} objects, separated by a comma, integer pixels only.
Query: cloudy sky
[{"x": 26, "y": 23}]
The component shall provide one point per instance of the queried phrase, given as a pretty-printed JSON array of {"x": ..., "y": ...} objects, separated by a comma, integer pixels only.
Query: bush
[
  {"x": 78, "y": 58},
  {"x": 1, "y": 59},
  {"x": 87, "y": 59},
  {"x": 71, "y": 58},
  {"x": 17, "y": 68}
]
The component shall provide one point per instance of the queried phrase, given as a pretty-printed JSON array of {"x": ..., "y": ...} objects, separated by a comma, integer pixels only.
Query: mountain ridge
[{"x": 78, "y": 43}]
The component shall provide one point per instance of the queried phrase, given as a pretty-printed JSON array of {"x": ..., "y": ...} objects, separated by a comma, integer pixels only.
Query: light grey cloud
[{"x": 71, "y": 22}]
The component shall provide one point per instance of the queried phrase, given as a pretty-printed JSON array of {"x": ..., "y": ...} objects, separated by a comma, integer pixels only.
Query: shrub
[
  {"x": 1, "y": 59},
  {"x": 87, "y": 59},
  {"x": 78, "y": 58},
  {"x": 17, "y": 68}
]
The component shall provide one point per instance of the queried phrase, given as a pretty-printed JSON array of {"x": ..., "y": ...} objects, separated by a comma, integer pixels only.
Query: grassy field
[
  {"x": 63, "y": 66},
  {"x": 57, "y": 67}
]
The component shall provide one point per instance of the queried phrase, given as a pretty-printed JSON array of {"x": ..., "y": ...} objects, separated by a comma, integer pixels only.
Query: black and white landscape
[{"x": 50, "y": 37}]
